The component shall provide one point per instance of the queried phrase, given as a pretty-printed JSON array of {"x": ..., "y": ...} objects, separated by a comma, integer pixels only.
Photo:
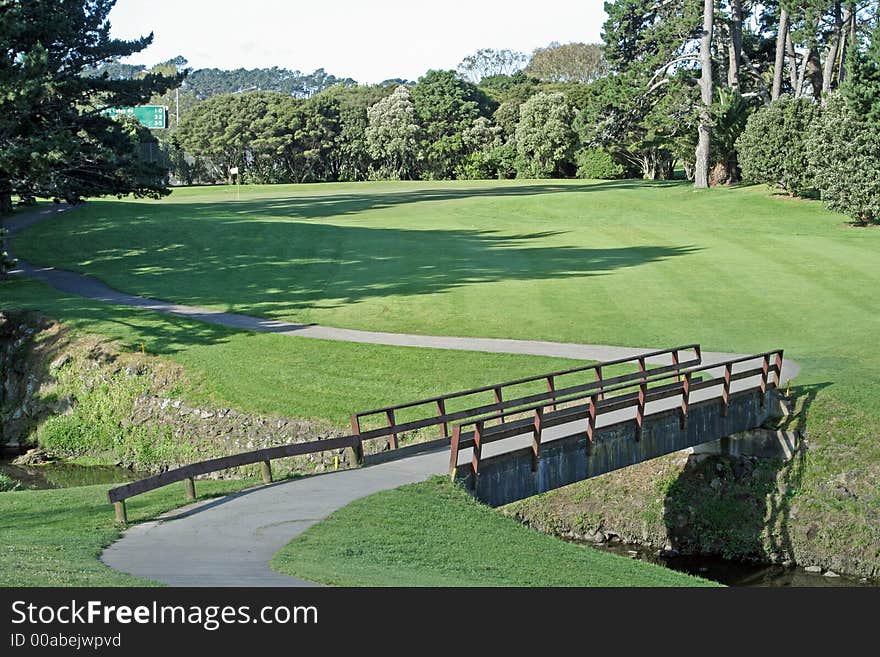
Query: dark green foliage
[
  {"x": 862, "y": 86},
  {"x": 772, "y": 148},
  {"x": 445, "y": 106},
  {"x": 55, "y": 140},
  {"x": 844, "y": 155},
  {"x": 597, "y": 163}
]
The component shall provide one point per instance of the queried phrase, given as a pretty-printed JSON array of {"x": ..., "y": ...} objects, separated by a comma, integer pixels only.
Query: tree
[
  {"x": 56, "y": 142},
  {"x": 254, "y": 132},
  {"x": 445, "y": 108},
  {"x": 773, "y": 147},
  {"x": 701, "y": 170},
  {"x": 391, "y": 136},
  {"x": 487, "y": 62},
  {"x": 350, "y": 157},
  {"x": 570, "y": 62},
  {"x": 544, "y": 137},
  {"x": 844, "y": 154}
]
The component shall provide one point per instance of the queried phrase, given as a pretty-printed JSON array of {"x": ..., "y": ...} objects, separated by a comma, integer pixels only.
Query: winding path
[{"x": 229, "y": 541}]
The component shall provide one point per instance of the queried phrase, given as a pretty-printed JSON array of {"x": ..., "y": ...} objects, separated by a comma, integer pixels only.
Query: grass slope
[
  {"x": 54, "y": 537},
  {"x": 435, "y": 534},
  {"x": 279, "y": 375}
]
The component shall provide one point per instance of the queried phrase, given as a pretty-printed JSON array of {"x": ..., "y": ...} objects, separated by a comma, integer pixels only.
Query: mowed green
[
  {"x": 435, "y": 534},
  {"x": 623, "y": 262}
]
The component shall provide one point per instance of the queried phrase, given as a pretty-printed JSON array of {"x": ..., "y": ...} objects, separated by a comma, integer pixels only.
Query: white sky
[{"x": 368, "y": 40}]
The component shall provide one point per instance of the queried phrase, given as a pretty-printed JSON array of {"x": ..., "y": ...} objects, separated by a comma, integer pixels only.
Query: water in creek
[
  {"x": 731, "y": 573},
  {"x": 65, "y": 475}
]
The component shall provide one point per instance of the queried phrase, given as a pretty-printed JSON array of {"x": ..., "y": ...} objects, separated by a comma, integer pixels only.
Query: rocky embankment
[{"x": 80, "y": 395}]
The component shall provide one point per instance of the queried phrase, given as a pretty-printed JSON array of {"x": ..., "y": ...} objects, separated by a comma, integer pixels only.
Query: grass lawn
[
  {"x": 623, "y": 262},
  {"x": 54, "y": 537},
  {"x": 435, "y": 534},
  {"x": 280, "y": 375}
]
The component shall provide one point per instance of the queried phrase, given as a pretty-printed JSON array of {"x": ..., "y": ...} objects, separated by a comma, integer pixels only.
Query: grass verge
[
  {"x": 54, "y": 537},
  {"x": 435, "y": 534}
]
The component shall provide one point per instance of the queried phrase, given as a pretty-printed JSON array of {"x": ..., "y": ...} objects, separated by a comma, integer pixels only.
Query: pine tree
[{"x": 55, "y": 140}]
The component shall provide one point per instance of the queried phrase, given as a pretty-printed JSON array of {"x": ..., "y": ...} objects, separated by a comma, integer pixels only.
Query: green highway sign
[{"x": 150, "y": 116}]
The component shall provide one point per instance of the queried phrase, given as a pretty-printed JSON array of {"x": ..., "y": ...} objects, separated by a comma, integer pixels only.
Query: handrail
[
  {"x": 480, "y": 434},
  {"x": 187, "y": 473},
  {"x": 443, "y": 418}
]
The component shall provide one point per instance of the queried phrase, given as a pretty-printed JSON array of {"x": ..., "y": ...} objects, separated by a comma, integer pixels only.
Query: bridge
[{"x": 518, "y": 438}]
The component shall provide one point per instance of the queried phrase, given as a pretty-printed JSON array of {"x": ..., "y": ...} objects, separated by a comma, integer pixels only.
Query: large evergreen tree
[{"x": 54, "y": 140}]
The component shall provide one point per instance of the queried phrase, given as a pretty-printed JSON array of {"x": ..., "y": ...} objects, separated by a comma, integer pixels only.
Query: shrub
[
  {"x": 844, "y": 152},
  {"x": 772, "y": 148},
  {"x": 597, "y": 163},
  {"x": 7, "y": 484}
]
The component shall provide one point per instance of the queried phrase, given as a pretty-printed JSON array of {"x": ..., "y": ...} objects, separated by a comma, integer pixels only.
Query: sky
[{"x": 368, "y": 40}]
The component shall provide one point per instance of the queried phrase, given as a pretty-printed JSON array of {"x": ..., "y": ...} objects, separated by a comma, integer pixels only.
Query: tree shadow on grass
[{"x": 230, "y": 255}]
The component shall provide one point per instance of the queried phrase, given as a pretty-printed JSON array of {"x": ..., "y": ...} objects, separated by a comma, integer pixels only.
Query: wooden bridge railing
[
  {"x": 501, "y": 408},
  {"x": 187, "y": 473},
  {"x": 475, "y": 433},
  {"x": 438, "y": 413}
]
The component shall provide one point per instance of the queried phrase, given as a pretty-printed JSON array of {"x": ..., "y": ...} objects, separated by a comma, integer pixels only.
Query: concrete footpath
[{"x": 229, "y": 541}]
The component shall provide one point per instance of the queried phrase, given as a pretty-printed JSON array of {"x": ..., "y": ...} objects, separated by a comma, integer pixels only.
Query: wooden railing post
[
  {"x": 725, "y": 391},
  {"x": 390, "y": 415},
  {"x": 441, "y": 411},
  {"x": 478, "y": 448},
  {"x": 765, "y": 371},
  {"x": 119, "y": 507},
  {"x": 453, "y": 451},
  {"x": 591, "y": 420},
  {"x": 778, "y": 373},
  {"x": 190, "y": 484},
  {"x": 498, "y": 400},
  {"x": 358, "y": 451},
  {"x": 640, "y": 409},
  {"x": 675, "y": 362},
  {"x": 266, "y": 471},
  {"x": 536, "y": 438},
  {"x": 551, "y": 387},
  {"x": 598, "y": 370},
  {"x": 685, "y": 398}
]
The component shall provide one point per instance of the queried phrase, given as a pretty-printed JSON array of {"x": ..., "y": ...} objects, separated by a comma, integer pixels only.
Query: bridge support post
[
  {"x": 190, "y": 484},
  {"x": 121, "y": 516},
  {"x": 266, "y": 471}
]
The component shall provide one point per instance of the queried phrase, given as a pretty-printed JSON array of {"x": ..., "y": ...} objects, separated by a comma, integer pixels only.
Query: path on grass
[
  {"x": 87, "y": 286},
  {"x": 230, "y": 541}
]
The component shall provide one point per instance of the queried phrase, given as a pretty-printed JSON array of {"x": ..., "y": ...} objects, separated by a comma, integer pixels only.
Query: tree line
[{"x": 781, "y": 91}]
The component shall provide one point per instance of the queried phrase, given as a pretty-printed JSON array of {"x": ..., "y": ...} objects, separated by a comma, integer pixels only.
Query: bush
[
  {"x": 772, "y": 148},
  {"x": 7, "y": 484},
  {"x": 597, "y": 163},
  {"x": 844, "y": 152}
]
